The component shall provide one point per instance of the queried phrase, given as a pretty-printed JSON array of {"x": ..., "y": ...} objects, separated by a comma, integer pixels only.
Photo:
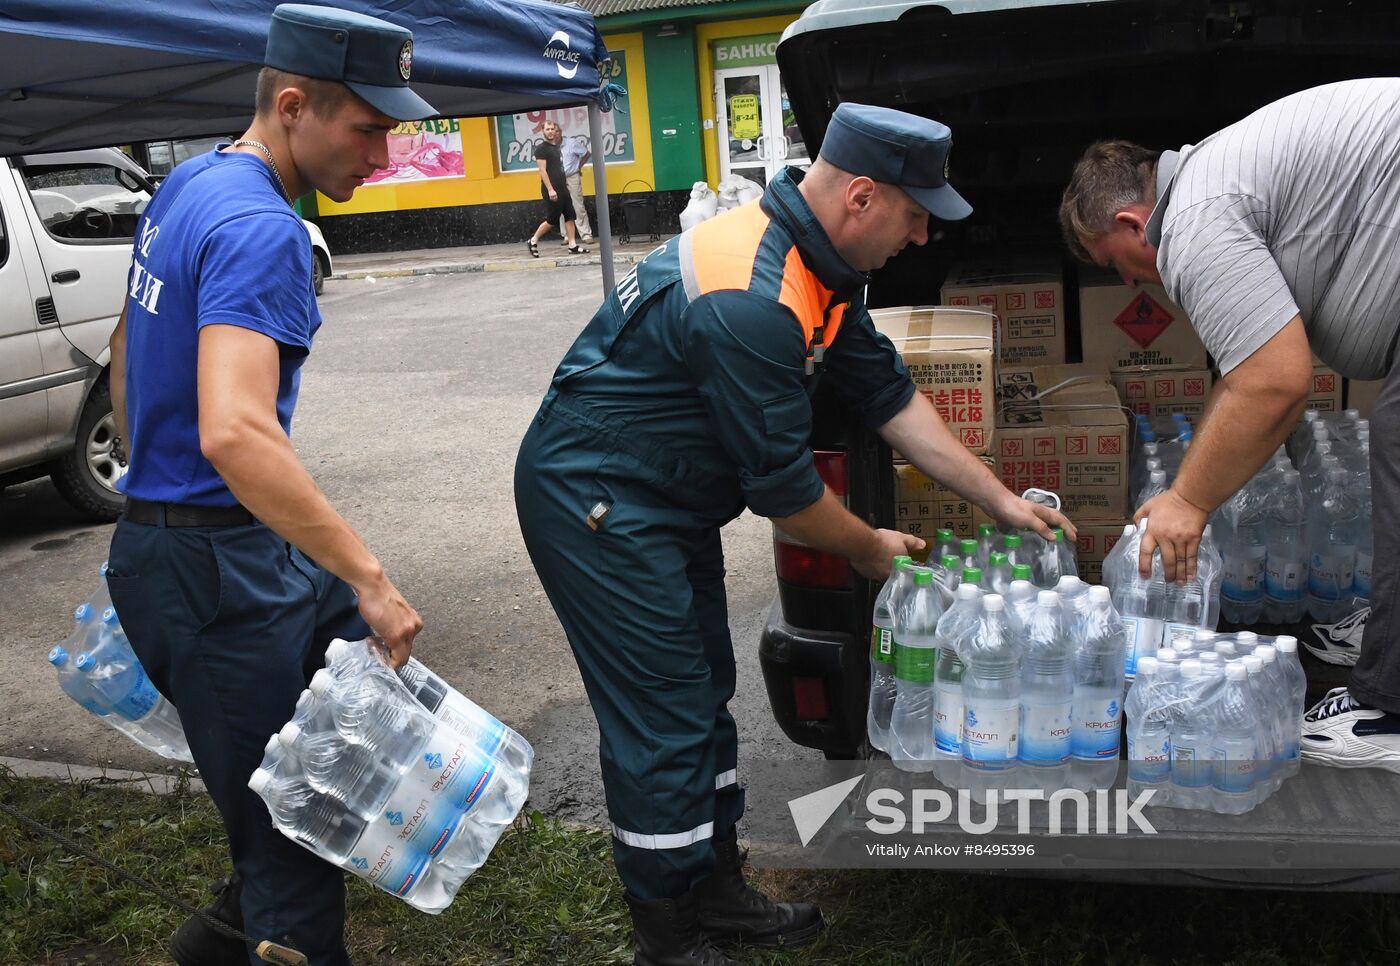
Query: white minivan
[{"x": 66, "y": 227}]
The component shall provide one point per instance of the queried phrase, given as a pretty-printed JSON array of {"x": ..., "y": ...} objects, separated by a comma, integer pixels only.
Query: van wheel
[
  {"x": 318, "y": 272},
  {"x": 87, "y": 476}
]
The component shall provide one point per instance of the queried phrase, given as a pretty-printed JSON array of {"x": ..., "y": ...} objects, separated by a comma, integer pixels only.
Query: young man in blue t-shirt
[{"x": 230, "y": 569}]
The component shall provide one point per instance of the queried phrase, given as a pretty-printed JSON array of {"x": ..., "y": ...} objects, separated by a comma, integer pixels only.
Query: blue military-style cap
[
  {"x": 372, "y": 57},
  {"x": 899, "y": 149}
]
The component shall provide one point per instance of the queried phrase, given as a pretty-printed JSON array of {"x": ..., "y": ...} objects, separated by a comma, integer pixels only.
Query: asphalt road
[{"x": 412, "y": 405}]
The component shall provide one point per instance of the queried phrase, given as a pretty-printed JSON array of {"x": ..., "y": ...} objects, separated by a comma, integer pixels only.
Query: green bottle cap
[
  {"x": 944, "y": 535},
  {"x": 986, "y": 529},
  {"x": 998, "y": 559},
  {"x": 1021, "y": 572},
  {"x": 923, "y": 577},
  {"x": 972, "y": 575},
  {"x": 951, "y": 562},
  {"x": 967, "y": 547},
  {"x": 901, "y": 561},
  {"x": 1056, "y": 535},
  {"x": 1013, "y": 540}
]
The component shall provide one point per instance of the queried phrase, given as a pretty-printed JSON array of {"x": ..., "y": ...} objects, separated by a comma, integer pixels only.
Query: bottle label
[
  {"x": 1235, "y": 767},
  {"x": 1244, "y": 575},
  {"x": 138, "y": 702},
  {"x": 1144, "y": 637},
  {"x": 1361, "y": 578},
  {"x": 445, "y": 781},
  {"x": 1330, "y": 576},
  {"x": 990, "y": 735},
  {"x": 1175, "y": 629},
  {"x": 947, "y": 719},
  {"x": 1149, "y": 760},
  {"x": 1285, "y": 576},
  {"x": 1191, "y": 765},
  {"x": 1046, "y": 730},
  {"x": 1096, "y": 727},
  {"x": 914, "y": 664},
  {"x": 382, "y": 857},
  {"x": 470, "y": 720},
  {"x": 882, "y": 645}
]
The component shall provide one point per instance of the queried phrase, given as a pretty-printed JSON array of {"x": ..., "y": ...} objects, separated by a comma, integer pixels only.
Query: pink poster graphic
[{"x": 423, "y": 151}]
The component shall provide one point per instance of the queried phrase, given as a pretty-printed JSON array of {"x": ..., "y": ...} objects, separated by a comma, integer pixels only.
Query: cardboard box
[
  {"x": 1096, "y": 539},
  {"x": 1161, "y": 391},
  {"x": 923, "y": 505},
  {"x": 951, "y": 353},
  {"x": 1073, "y": 440},
  {"x": 1123, "y": 328},
  {"x": 1362, "y": 394},
  {"x": 1028, "y": 297},
  {"x": 1326, "y": 393}
]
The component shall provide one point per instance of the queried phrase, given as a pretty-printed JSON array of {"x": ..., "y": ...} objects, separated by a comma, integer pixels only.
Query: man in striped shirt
[{"x": 1280, "y": 237}]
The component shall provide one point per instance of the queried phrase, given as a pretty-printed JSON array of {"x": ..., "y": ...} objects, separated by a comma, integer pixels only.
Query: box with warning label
[
  {"x": 1096, "y": 539},
  {"x": 951, "y": 354},
  {"x": 1061, "y": 428},
  {"x": 922, "y": 505},
  {"x": 1123, "y": 328},
  {"x": 1028, "y": 297},
  {"x": 1326, "y": 391},
  {"x": 1163, "y": 390}
]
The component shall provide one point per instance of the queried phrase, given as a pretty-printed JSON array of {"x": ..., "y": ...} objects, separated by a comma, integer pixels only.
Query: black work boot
[
  {"x": 668, "y": 934},
  {"x": 731, "y": 911},
  {"x": 196, "y": 943}
]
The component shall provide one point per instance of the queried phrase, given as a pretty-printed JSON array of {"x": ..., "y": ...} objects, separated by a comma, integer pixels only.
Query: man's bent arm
[
  {"x": 828, "y": 526},
  {"x": 1252, "y": 410},
  {"x": 116, "y": 378},
  {"x": 919, "y": 434},
  {"x": 241, "y": 437}
]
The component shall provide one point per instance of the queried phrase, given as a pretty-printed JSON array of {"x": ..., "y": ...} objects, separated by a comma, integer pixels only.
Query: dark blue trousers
[
  {"x": 641, "y": 599},
  {"x": 230, "y": 623}
]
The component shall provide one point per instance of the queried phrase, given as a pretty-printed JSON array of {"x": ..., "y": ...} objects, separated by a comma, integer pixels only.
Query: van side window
[{"x": 85, "y": 203}]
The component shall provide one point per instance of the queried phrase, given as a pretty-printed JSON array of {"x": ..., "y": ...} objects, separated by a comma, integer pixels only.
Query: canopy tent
[{"x": 86, "y": 73}]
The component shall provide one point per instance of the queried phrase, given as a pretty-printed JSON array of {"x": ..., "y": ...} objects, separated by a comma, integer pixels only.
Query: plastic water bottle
[
  {"x": 953, "y": 627},
  {"x": 74, "y": 685},
  {"x": 1099, "y": 659},
  {"x": 987, "y": 540},
  {"x": 1209, "y": 572},
  {"x": 1116, "y": 562},
  {"x": 1149, "y": 734},
  {"x": 991, "y": 701},
  {"x": 1074, "y": 597},
  {"x": 1333, "y": 532},
  {"x": 999, "y": 573},
  {"x": 1068, "y": 558},
  {"x": 1244, "y": 552},
  {"x": 952, "y": 570},
  {"x": 1235, "y": 748},
  {"x": 1192, "y": 755},
  {"x": 1302, "y": 433},
  {"x": 1273, "y": 706},
  {"x": 1360, "y": 484},
  {"x": 1047, "y": 694},
  {"x": 1137, "y": 475},
  {"x": 882, "y": 683},
  {"x": 1294, "y": 697},
  {"x": 911, "y": 719},
  {"x": 1021, "y": 598},
  {"x": 968, "y": 551},
  {"x": 945, "y": 544},
  {"x": 1286, "y": 560},
  {"x": 1140, "y": 604},
  {"x": 1048, "y": 562},
  {"x": 1155, "y": 486},
  {"x": 1016, "y": 553},
  {"x": 118, "y": 683}
]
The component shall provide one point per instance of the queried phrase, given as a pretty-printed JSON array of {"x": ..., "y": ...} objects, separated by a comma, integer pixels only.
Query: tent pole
[{"x": 600, "y": 195}]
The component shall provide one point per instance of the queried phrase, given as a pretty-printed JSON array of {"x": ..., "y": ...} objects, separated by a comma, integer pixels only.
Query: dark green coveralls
[{"x": 682, "y": 402}]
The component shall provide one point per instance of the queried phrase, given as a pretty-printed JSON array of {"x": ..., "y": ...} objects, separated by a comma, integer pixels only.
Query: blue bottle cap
[
  {"x": 83, "y": 613},
  {"x": 102, "y": 571},
  {"x": 109, "y": 616},
  {"x": 58, "y": 655},
  {"x": 85, "y": 662}
]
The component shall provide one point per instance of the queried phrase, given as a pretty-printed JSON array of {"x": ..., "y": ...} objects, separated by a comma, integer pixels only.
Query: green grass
[{"x": 549, "y": 896}]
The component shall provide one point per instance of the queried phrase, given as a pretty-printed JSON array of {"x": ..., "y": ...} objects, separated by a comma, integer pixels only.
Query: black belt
[{"x": 185, "y": 515}]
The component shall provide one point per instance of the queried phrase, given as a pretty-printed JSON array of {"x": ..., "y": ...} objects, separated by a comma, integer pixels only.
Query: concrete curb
[
  {"x": 457, "y": 268},
  {"x": 141, "y": 781}
]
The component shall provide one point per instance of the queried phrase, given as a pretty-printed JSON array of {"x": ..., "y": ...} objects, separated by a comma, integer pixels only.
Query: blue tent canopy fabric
[{"x": 87, "y": 73}]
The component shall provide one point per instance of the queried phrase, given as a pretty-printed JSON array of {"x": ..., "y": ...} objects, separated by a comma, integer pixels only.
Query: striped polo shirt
[{"x": 1293, "y": 210}]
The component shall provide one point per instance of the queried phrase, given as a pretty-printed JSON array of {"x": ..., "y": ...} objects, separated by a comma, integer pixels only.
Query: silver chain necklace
[{"x": 270, "y": 160}]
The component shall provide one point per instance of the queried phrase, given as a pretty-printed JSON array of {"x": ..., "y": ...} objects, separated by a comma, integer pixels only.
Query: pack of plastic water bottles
[
  {"x": 396, "y": 777},
  {"x": 992, "y": 691},
  {"x": 98, "y": 669},
  {"x": 1215, "y": 721}
]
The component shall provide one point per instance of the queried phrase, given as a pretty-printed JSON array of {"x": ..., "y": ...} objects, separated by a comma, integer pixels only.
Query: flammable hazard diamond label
[{"x": 1144, "y": 320}]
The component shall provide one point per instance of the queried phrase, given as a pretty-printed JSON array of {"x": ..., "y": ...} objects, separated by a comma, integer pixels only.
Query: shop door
[{"x": 758, "y": 134}]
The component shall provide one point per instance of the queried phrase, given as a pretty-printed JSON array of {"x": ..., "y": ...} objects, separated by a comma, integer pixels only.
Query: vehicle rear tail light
[
  {"x": 809, "y": 698},
  {"x": 800, "y": 564}
]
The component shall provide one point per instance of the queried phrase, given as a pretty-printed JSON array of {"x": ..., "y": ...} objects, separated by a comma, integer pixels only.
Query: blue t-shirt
[{"x": 217, "y": 245}]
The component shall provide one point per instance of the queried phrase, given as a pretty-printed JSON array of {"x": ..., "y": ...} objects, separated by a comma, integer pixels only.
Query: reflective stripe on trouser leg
[{"x": 641, "y": 634}]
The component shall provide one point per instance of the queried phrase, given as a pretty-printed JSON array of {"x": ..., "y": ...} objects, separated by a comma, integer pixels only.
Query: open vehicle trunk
[{"x": 1025, "y": 87}]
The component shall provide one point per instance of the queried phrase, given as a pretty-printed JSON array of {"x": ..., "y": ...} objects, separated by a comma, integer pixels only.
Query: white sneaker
[{"x": 1341, "y": 732}]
